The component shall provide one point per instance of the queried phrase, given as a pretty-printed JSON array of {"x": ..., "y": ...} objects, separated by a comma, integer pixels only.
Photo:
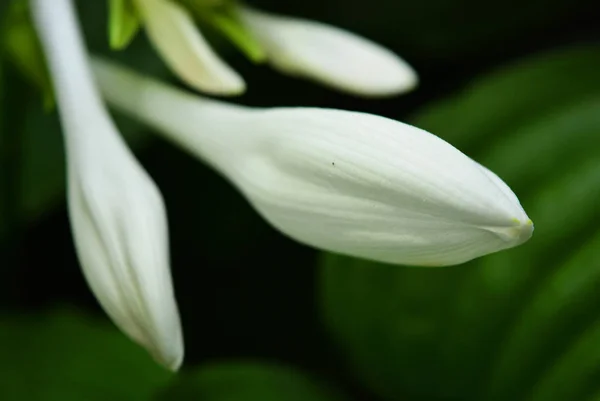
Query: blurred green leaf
[
  {"x": 22, "y": 46},
  {"x": 575, "y": 375},
  {"x": 388, "y": 321},
  {"x": 4, "y": 178},
  {"x": 500, "y": 103},
  {"x": 528, "y": 157},
  {"x": 123, "y": 23},
  {"x": 64, "y": 355},
  {"x": 559, "y": 306},
  {"x": 488, "y": 329},
  {"x": 248, "y": 381}
]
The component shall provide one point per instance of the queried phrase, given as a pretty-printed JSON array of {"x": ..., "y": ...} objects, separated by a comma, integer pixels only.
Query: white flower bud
[
  {"x": 175, "y": 36},
  {"x": 329, "y": 55},
  {"x": 346, "y": 182},
  {"x": 117, "y": 214}
]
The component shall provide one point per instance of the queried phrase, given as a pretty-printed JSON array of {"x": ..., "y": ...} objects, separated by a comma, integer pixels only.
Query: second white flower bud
[{"x": 342, "y": 181}]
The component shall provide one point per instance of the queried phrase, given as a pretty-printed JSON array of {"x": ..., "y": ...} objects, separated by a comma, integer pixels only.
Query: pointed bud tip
[
  {"x": 524, "y": 231},
  {"x": 169, "y": 355},
  {"x": 403, "y": 80},
  {"x": 173, "y": 364},
  {"x": 235, "y": 86},
  {"x": 516, "y": 233}
]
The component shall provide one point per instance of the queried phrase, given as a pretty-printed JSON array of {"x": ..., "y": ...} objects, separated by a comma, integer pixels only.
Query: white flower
[
  {"x": 346, "y": 182},
  {"x": 117, "y": 214},
  {"x": 174, "y": 34},
  {"x": 329, "y": 55}
]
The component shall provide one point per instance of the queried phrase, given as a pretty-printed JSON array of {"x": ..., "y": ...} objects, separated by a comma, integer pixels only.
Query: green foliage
[
  {"x": 501, "y": 102},
  {"x": 245, "y": 381},
  {"x": 65, "y": 355},
  {"x": 517, "y": 324},
  {"x": 20, "y": 42},
  {"x": 560, "y": 306}
]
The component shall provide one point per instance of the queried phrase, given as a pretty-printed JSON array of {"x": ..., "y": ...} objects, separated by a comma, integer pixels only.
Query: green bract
[
  {"x": 123, "y": 24},
  {"x": 222, "y": 16}
]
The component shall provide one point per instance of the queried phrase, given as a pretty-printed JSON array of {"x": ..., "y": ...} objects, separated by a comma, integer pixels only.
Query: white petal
[
  {"x": 175, "y": 36},
  {"x": 346, "y": 182},
  {"x": 330, "y": 55},
  {"x": 117, "y": 214}
]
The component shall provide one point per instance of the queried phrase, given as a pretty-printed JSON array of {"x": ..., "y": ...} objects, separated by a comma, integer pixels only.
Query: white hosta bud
[
  {"x": 174, "y": 34},
  {"x": 346, "y": 182},
  {"x": 120, "y": 230},
  {"x": 329, "y": 55},
  {"x": 117, "y": 214}
]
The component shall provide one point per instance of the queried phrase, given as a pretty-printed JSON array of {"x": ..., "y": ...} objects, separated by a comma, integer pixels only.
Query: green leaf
[
  {"x": 20, "y": 42},
  {"x": 5, "y": 179},
  {"x": 486, "y": 330},
  {"x": 123, "y": 24},
  {"x": 65, "y": 355},
  {"x": 558, "y": 307},
  {"x": 575, "y": 374},
  {"x": 499, "y": 103},
  {"x": 244, "y": 381},
  {"x": 568, "y": 134},
  {"x": 388, "y": 321}
]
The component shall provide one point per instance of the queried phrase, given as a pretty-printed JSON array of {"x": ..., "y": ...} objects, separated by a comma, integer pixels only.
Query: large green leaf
[
  {"x": 559, "y": 306},
  {"x": 500, "y": 103},
  {"x": 248, "y": 381},
  {"x": 64, "y": 355},
  {"x": 388, "y": 321},
  {"x": 575, "y": 375},
  {"x": 474, "y": 332}
]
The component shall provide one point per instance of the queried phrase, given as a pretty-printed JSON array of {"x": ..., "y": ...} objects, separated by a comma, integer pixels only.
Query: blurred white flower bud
[
  {"x": 329, "y": 55},
  {"x": 175, "y": 36},
  {"x": 117, "y": 214}
]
